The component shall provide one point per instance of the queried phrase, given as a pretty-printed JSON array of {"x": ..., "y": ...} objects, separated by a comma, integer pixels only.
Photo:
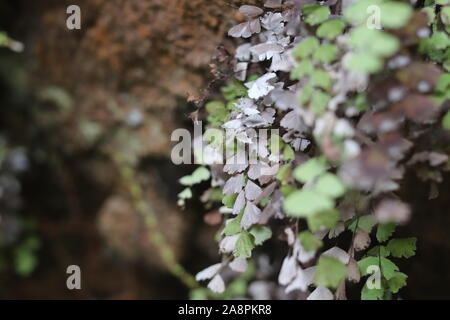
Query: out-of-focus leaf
[
  {"x": 323, "y": 220},
  {"x": 330, "y": 29},
  {"x": 309, "y": 241},
  {"x": 306, "y": 202},
  {"x": 330, "y": 272},
  {"x": 310, "y": 170},
  {"x": 330, "y": 185}
]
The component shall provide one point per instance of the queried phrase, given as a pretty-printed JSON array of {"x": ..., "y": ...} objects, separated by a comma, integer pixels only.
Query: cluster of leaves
[
  {"x": 352, "y": 95},
  {"x": 6, "y": 41}
]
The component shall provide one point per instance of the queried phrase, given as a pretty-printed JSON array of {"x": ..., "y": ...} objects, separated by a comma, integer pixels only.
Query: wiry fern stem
[{"x": 128, "y": 175}]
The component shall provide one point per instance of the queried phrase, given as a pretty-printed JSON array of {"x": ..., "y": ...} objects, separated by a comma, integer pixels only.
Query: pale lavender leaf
[
  {"x": 303, "y": 279},
  {"x": 243, "y": 52},
  {"x": 391, "y": 210},
  {"x": 265, "y": 51},
  {"x": 281, "y": 62},
  {"x": 239, "y": 264},
  {"x": 216, "y": 284},
  {"x": 361, "y": 240},
  {"x": 240, "y": 71},
  {"x": 251, "y": 215},
  {"x": 209, "y": 272},
  {"x": 252, "y": 190},
  {"x": 255, "y": 120},
  {"x": 251, "y": 11},
  {"x": 268, "y": 115},
  {"x": 239, "y": 203},
  {"x": 273, "y": 4},
  {"x": 234, "y": 184},
  {"x": 302, "y": 255},
  {"x": 273, "y": 22},
  {"x": 338, "y": 254},
  {"x": 261, "y": 86},
  {"x": 353, "y": 273},
  {"x": 236, "y": 163},
  {"x": 321, "y": 293},
  {"x": 232, "y": 124},
  {"x": 228, "y": 243},
  {"x": 288, "y": 270},
  {"x": 292, "y": 120},
  {"x": 337, "y": 230}
]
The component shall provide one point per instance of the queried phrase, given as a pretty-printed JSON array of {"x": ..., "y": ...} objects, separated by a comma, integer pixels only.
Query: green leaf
[
  {"x": 374, "y": 42},
  {"x": 200, "y": 174},
  {"x": 381, "y": 251},
  {"x": 431, "y": 15},
  {"x": 311, "y": 169},
  {"x": 319, "y": 102},
  {"x": 244, "y": 245},
  {"x": 234, "y": 90},
  {"x": 326, "y": 53},
  {"x": 439, "y": 40},
  {"x": 306, "y": 202},
  {"x": 393, "y": 14},
  {"x": 217, "y": 112},
  {"x": 316, "y": 14},
  {"x": 330, "y": 272},
  {"x": 372, "y": 294},
  {"x": 385, "y": 231},
  {"x": 356, "y": 13},
  {"x": 229, "y": 199},
  {"x": 365, "y": 222},
  {"x": 304, "y": 68},
  {"x": 284, "y": 173},
  {"x": 397, "y": 282},
  {"x": 321, "y": 79},
  {"x": 367, "y": 262},
  {"x": 199, "y": 294},
  {"x": 261, "y": 234},
  {"x": 287, "y": 189},
  {"x": 306, "y": 47},
  {"x": 443, "y": 84},
  {"x": 234, "y": 226},
  {"x": 364, "y": 63},
  {"x": 402, "y": 248},
  {"x": 309, "y": 241},
  {"x": 445, "y": 15},
  {"x": 331, "y": 29},
  {"x": 326, "y": 219},
  {"x": 446, "y": 121},
  {"x": 185, "y": 194},
  {"x": 330, "y": 185},
  {"x": 288, "y": 153},
  {"x": 4, "y": 39},
  {"x": 25, "y": 261},
  {"x": 305, "y": 93},
  {"x": 388, "y": 268}
]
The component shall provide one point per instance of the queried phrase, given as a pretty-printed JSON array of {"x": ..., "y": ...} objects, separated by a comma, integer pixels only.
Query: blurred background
[{"x": 69, "y": 99}]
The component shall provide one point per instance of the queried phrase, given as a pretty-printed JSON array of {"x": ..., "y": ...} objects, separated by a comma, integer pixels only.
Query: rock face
[
  {"x": 119, "y": 84},
  {"x": 146, "y": 55}
]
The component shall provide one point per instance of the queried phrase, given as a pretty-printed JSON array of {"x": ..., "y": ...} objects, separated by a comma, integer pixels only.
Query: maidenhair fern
[{"x": 350, "y": 87}]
